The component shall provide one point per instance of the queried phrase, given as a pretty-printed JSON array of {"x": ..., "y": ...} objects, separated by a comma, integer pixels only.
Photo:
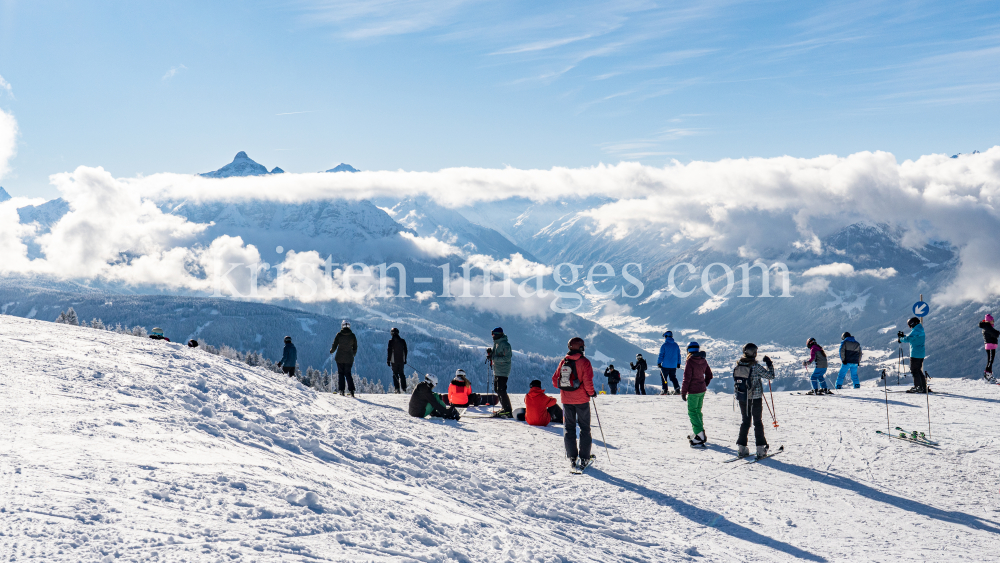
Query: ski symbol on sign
[{"x": 920, "y": 309}]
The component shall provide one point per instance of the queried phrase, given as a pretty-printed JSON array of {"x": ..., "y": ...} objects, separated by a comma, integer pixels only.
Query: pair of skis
[
  {"x": 755, "y": 459},
  {"x": 912, "y": 437}
]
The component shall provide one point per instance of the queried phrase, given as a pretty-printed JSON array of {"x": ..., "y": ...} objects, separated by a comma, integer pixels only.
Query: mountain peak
[
  {"x": 242, "y": 165},
  {"x": 4, "y": 196},
  {"x": 343, "y": 168},
  {"x": 277, "y": 170}
]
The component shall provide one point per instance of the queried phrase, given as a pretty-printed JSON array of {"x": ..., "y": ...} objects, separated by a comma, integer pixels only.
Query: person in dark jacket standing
[
  {"x": 289, "y": 356},
  {"x": 396, "y": 359},
  {"x": 697, "y": 376},
  {"x": 425, "y": 402},
  {"x": 574, "y": 377},
  {"x": 614, "y": 378},
  {"x": 747, "y": 376},
  {"x": 850, "y": 357},
  {"x": 668, "y": 361},
  {"x": 639, "y": 367},
  {"x": 990, "y": 335},
  {"x": 345, "y": 346},
  {"x": 500, "y": 359}
]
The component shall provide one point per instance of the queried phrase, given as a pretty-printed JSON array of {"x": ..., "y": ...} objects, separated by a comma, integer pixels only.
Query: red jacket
[
  {"x": 697, "y": 375},
  {"x": 585, "y": 372},
  {"x": 458, "y": 392},
  {"x": 536, "y": 404}
]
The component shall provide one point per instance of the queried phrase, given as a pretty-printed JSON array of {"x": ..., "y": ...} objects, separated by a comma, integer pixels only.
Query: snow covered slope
[{"x": 123, "y": 449}]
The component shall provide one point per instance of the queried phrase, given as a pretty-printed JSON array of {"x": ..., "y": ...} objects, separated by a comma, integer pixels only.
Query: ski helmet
[
  {"x": 914, "y": 321},
  {"x": 989, "y": 318},
  {"x": 693, "y": 347},
  {"x": 750, "y": 350},
  {"x": 611, "y": 366},
  {"x": 430, "y": 378},
  {"x": 288, "y": 339},
  {"x": 394, "y": 330},
  {"x": 460, "y": 373},
  {"x": 157, "y": 331},
  {"x": 845, "y": 335},
  {"x": 576, "y": 344},
  {"x": 345, "y": 324},
  {"x": 638, "y": 356},
  {"x": 668, "y": 334},
  {"x": 810, "y": 342}
]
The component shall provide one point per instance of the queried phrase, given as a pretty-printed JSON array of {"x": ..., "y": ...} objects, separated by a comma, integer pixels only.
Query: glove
[
  {"x": 899, "y": 335},
  {"x": 388, "y": 363},
  {"x": 279, "y": 364},
  {"x": 592, "y": 395},
  {"x": 684, "y": 397},
  {"x": 805, "y": 363},
  {"x": 489, "y": 352},
  {"x": 768, "y": 361}
]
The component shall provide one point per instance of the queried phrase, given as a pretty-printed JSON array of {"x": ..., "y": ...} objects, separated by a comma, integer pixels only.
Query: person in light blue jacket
[
  {"x": 668, "y": 362},
  {"x": 917, "y": 354}
]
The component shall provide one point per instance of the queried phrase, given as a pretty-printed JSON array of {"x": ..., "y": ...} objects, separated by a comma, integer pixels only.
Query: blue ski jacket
[
  {"x": 916, "y": 341},
  {"x": 289, "y": 355},
  {"x": 670, "y": 354}
]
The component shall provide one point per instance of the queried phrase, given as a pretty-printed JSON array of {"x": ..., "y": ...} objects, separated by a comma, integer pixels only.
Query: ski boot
[
  {"x": 988, "y": 376},
  {"x": 352, "y": 394},
  {"x": 341, "y": 393},
  {"x": 742, "y": 451},
  {"x": 573, "y": 465},
  {"x": 857, "y": 386},
  {"x": 826, "y": 391},
  {"x": 840, "y": 387},
  {"x": 761, "y": 452},
  {"x": 813, "y": 392},
  {"x": 586, "y": 462}
]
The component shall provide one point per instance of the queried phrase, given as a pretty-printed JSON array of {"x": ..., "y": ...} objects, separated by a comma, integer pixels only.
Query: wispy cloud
[
  {"x": 541, "y": 45},
  {"x": 5, "y": 86},
  {"x": 296, "y": 112},
  {"x": 173, "y": 72}
]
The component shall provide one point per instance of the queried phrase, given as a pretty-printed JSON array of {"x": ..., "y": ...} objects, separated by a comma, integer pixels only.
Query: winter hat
[
  {"x": 288, "y": 339},
  {"x": 535, "y": 383},
  {"x": 694, "y": 347},
  {"x": 345, "y": 324},
  {"x": 668, "y": 334},
  {"x": 498, "y": 330},
  {"x": 394, "y": 330},
  {"x": 430, "y": 378},
  {"x": 989, "y": 318},
  {"x": 157, "y": 331}
]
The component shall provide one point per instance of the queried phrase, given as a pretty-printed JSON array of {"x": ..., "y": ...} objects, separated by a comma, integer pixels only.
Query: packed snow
[{"x": 117, "y": 448}]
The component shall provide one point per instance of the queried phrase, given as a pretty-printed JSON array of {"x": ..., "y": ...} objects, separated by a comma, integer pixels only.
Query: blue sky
[{"x": 140, "y": 87}]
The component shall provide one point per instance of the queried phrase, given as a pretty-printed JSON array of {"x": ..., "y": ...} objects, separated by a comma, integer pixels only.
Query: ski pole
[
  {"x": 774, "y": 416},
  {"x": 885, "y": 388},
  {"x": 601, "y": 428},
  {"x": 927, "y": 396}
]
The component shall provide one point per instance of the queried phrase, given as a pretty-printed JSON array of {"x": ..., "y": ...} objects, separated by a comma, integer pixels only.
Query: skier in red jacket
[
  {"x": 539, "y": 409},
  {"x": 575, "y": 380}
]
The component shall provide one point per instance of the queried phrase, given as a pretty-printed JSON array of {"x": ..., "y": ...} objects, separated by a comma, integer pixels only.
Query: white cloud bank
[{"x": 841, "y": 269}]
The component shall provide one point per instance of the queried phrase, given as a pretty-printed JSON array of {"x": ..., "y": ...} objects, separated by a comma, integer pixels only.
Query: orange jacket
[
  {"x": 536, "y": 404},
  {"x": 459, "y": 391}
]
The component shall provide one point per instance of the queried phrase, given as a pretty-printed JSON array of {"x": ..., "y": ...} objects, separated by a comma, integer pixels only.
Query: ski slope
[{"x": 116, "y": 448}]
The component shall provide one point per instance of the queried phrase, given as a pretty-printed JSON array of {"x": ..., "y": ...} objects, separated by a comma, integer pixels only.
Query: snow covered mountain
[
  {"x": 4, "y": 196},
  {"x": 118, "y": 448},
  {"x": 242, "y": 165},
  {"x": 343, "y": 168}
]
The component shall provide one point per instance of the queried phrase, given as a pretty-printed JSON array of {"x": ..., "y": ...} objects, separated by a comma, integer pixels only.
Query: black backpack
[
  {"x": 568, "y": 378},
  {"x": 741, "y": 375}
]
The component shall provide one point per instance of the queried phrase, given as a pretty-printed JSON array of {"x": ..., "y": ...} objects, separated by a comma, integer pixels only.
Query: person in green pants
[{"x": 697, "y": 376}]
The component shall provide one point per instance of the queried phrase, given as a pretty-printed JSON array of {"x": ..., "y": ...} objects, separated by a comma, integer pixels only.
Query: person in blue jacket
[
  {"x": 850, "y": 357},
  {"x": 917, "y": 354},
  {"x": 289, "y": 356},
  {"x": 668, "y": 362}
]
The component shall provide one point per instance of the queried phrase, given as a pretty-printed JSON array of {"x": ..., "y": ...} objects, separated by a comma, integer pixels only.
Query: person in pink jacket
[
  {"x": 575, "y": 380},
  {"x": 697, "y": 376}
]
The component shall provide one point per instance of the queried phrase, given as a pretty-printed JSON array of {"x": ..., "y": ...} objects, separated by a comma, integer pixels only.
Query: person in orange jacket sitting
[
  {"x": 460, "y": 390},
  {"x": 540, "y": 409}
]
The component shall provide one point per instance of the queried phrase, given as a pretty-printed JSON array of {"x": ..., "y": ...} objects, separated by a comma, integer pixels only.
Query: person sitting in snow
[
  {"x": 614, "y": 378},
  {"x": 425, "y": 402},
  {"x": 539, "y": 409},
  {"x": 157, "y": 334},
  {"x": 289, "y": 357},
  {"x": 460, "y": 390}
]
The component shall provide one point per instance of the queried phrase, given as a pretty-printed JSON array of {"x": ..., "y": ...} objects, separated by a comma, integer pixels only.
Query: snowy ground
[{"x": 120, "y": 449}]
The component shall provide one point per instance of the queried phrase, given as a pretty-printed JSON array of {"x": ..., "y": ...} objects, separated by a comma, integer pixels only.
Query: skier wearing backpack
[
  {"x": 697, "y": 376},
  {"x": 668, "y": 361},
  {"x": 917, "y": 352},
  {"x": 990, "y": 335},
  {"x": 288, "y": 357},
  {"x": 614, "y": 378},
  {"x": 818, "y": 379},
  {"x": 574, "y": 377},
  {"x": 396, "y": 359},
  {"x": 850, "y": 357},
  {"x": 345, "y": 346},
  {"x": 425, "y": 402},
  {"x": 639, "y": 367},
  {"x": 747, "y": 376},
  {"x": 500, "y": 358}
]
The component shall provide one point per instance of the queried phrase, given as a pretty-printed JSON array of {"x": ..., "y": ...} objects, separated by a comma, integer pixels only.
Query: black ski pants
[
  {"x": 751, "y": 409},
  {"x": 344, "y": 372},
  {"x": 614, "y": 387},
  {"x": 917, "y": 371},
  {"x": 399, "y": 377},
  {"x": 669, "y": 374},
  {"x": 501, "y": 389},
  {"x": 640, "y": 382},
  {"x": 573, "y": 416},
  {"x": 990, "y": 355}
]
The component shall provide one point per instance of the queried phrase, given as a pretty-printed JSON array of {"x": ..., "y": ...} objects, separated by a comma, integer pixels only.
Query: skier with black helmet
[
  {"x": 850, "y": 357},
  {"x": 289, "y": 356},
  {"x": 614, "y": 378},
  {"x": 990, "y": 336},
  {"x": 574, "y": 377},
  {"x": 500, "y": 359},
  {"x": 916, "y": 340},
  {"x": 639, "y": 367},
  {"x": 818, "y": 378},
  {"x": 345, "y": 346},
  {"x": 668, "y": 361},
  {"x": 747, "y": 376},
  {"x": 395, "y": 358}
]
